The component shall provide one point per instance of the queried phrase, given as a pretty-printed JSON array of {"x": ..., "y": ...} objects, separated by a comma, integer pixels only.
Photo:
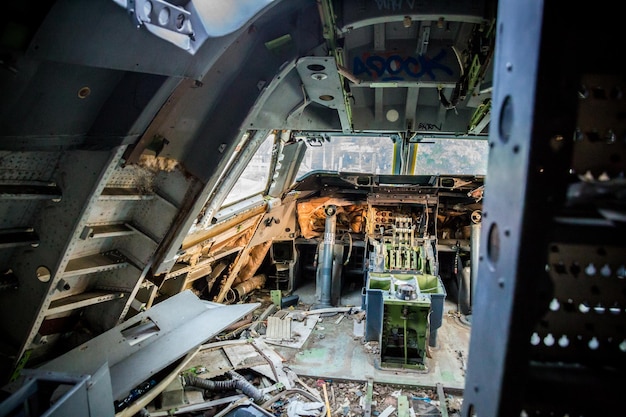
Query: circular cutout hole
[
  {"x": 535, "y": 339},
  {"x": 84, "y": 92},
  {"x": 493, "y": 244},
  {"x": 506, "y": 119},
  {"x": 180, "y": 21},
  {"x": 164, "y": 16},
  {"x": 326, "y": 97},
  {"x": 315, "y": 67},
  {"x": 43, "y": 274},
  {"x": 147, "y": 9}
]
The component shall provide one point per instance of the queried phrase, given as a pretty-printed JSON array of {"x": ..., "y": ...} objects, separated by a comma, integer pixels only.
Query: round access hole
[
  {"x": 43, "y": 274},
  {"x": 505, "y": 125},
  {"x": 493, "y": 244},
  {"x": 84, "y": 92},
  {"x": 316, "y": 67}
]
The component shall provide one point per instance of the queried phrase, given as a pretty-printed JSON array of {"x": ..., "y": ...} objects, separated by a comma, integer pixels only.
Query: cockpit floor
[{"x": 335, "y": 349}]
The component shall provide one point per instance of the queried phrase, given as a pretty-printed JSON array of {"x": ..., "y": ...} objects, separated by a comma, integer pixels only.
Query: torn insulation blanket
[{"x": 311, "y": 216}]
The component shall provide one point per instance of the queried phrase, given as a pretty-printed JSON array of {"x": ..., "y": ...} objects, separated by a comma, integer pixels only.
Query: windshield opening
[
  {"x": 375, "y": 155},
  {"x": 452, "y": 157},
  {"x": 362, "y": 154},
  {"x": 254, "y": 179}
]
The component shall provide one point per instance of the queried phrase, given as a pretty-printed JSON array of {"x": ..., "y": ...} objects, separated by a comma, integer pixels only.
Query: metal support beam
[
  {"x": 379, "y": 37},
  {"x": 412, "y": 94},
  {"x": 540, "y": 318}
]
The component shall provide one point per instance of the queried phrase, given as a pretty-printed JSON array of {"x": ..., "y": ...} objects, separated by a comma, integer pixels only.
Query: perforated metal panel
[
  {"x": 587, "y": 315},
  {"x": 28, "y": 166},
  {"x": 548, "y": 329}
]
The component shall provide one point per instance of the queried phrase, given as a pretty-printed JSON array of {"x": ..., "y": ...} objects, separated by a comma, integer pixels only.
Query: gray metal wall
[{"x": 548, "y": 335}]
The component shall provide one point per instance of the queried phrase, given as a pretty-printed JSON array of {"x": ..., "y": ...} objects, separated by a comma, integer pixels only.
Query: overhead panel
[
  {"x": 412, "y": 50},
  {"x": 322, "y": 84},
  {"x": 399, "y": 76}
]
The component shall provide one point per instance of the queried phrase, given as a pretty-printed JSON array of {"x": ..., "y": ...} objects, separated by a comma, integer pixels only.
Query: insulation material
[
  {"x": 157, "y": 163},
  {"x": 254, "y": 260},
  {"x": 196, "y": 253},
  {"x": 239, "y": 240},
  {"x": 311, "y": 216},
  {"x": 191, "y": 256},
  {"x": 215, "y": 274}
]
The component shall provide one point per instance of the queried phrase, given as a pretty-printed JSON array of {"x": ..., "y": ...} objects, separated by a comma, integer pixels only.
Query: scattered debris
[
  {"x": 248, "y": 373},
  {"x": 372, "y": 347},
  {"x": 300, "y": 408}
]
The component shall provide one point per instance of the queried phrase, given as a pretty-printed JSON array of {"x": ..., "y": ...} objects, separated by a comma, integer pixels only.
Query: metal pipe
[
  {"x": 474, "y": 254},
  {"x": 326, "y": 266},
  {"x": 347, "y": 74},
  {"x": 249, "y": 285}
]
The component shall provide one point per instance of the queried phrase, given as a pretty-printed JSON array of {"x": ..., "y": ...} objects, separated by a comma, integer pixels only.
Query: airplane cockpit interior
[{"x": 311, "y": 208}]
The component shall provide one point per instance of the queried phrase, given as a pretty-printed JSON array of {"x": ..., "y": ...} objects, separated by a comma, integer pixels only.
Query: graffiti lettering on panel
[
  {"x": 392, "y": 66},
  {"x": 428, "y": 126},
  {"x": 395, "y": 5}
]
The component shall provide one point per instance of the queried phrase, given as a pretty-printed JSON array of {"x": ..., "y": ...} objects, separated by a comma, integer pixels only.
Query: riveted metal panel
[
  {"x": 28, "y": 166},
  {"x": 547, "y": 329},
  {"x": 323, "y": 85},
  {"x": 107, "y": 210},
  {"x": 155, "y": 216},
  {"x": 174, "y": 185},
  {"x": 21, "y": 171},
  {"x": 132, "y": 176},
  {"x": 139, "y": 247},
  {"x": 81, "y": 176}
]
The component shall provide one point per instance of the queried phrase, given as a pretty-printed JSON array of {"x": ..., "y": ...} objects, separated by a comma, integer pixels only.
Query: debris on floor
[
  {"x": 308, "y": 397},
  {"x": 245, "y": 369}
]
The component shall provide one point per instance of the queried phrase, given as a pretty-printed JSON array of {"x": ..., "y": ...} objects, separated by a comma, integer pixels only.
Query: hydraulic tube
[{"x": 326, "y": 266}]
